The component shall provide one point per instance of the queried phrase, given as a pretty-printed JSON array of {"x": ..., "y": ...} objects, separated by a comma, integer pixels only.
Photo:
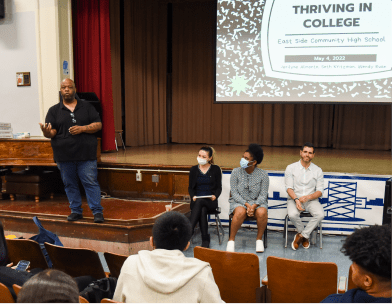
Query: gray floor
[{"x": 246, "y": 242}]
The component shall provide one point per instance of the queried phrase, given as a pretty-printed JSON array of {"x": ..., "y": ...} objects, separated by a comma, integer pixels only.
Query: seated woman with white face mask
[
  {"x": 249, "y": 195},
  {"x": 205, "y": 186}
]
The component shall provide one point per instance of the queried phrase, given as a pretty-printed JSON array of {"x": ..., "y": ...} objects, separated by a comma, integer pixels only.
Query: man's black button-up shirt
[{"x": 68, "y": 147}]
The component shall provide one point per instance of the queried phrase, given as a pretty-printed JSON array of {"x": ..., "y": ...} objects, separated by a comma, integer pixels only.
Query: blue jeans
[{"x": 87, "y": 172}]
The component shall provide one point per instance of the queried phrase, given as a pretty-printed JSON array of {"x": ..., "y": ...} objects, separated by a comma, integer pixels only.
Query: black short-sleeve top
[{"x": 68, "y": 147}]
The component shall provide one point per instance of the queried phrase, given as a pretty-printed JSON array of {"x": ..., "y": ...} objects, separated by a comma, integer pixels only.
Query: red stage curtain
[{"x": 92, "y": 60}]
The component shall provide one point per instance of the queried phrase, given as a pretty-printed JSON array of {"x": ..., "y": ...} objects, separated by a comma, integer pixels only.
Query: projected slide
[{"x": 304, "y": 51}]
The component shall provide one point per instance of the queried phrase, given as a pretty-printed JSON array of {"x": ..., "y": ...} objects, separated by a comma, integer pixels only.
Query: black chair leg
[
  {"x": 265, "y": 238},
  {"x": 285, "y": 229},
  {"x": 229, "y": 226},
  {"x": 217, "y": 229}
]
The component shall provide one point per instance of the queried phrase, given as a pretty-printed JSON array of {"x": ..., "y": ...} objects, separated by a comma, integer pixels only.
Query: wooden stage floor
[
  {"x": 275, "y": 158},
  {"x": 116, "y": 211},
  {"x": 126, "y": 230}
]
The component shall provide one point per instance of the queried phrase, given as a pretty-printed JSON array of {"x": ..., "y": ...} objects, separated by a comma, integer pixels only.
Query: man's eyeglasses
[{"x": 73, "y": 117}]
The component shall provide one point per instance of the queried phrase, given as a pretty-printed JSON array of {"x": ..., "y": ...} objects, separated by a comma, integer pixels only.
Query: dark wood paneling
[
  {"x": 181, "y": 182},
  {"x": 161, "y": 187},
  {"x": 122, "y": 183}
]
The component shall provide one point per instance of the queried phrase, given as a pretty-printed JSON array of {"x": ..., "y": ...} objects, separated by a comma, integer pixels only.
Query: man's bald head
[{"x": 67, "y": 80}]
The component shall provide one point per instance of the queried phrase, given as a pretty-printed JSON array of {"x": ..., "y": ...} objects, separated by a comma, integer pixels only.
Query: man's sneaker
[
  {"x": 74, "y": 217},
  {"x": 297, "y": 240},
  {"x": 230, "y": 246},
  {"x": 305, "y": 243},
  {"x": 98, "y": 218},
  {"x": 259, "y": 246}
]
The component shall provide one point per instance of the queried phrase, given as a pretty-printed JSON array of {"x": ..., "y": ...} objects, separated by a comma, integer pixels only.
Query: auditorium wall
[
  {"x": 30, "y": 42},
  {"x": 185, "y": 97}
]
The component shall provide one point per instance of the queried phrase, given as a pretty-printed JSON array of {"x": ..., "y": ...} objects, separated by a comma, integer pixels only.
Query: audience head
[
  {"x": 207, "y": 153},
  {"x": 3, "y": 248},
  {"x": 171, "y": 231},
  {"x": 370, "y": 251},
  {"x": 256, "y": 153},
  {"x": 49, "y": 286},
  {"x": 309, "y": 145}
]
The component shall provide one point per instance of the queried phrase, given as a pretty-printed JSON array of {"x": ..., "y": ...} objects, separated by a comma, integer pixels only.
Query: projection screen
[{"x": 304, "y": 51}]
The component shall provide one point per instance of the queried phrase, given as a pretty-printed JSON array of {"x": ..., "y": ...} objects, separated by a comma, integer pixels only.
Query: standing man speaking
[
  {"x": 71, "y": 125},
  {"x": 304, "y": 183}
]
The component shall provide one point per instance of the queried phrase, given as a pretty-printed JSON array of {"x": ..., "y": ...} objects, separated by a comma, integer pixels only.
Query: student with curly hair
[
  {"x": 205, "y": 186},
  {"x": 249, "y": 195},
  {"x": 165, "y": 274},
  {"x": 369, "y": 249}
]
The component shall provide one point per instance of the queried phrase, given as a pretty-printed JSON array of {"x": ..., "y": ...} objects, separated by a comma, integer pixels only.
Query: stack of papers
[{"x": 5, "y": 130}]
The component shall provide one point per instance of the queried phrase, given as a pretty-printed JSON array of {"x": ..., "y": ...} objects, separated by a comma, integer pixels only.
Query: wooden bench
[{"x": 35, "y": 183}]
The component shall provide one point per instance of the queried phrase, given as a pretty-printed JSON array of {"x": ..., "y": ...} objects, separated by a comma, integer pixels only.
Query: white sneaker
[
  {"x": 230, "y": 246},
  {"x": 259, "y": 246}
]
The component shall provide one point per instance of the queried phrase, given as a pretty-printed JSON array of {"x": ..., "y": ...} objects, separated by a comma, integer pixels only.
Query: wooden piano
[
  {"x": 32, "y": 153},
  {"x": 35, "y": 151}
]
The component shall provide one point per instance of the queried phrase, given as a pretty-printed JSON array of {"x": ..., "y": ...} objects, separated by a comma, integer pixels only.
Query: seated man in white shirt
[
  {"x": 165, "y": 274},
  {"x": 304, "y": 183}
]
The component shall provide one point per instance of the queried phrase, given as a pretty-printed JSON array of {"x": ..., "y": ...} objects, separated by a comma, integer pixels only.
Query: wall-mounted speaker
[
  {"x": 2, "y": 9},
  {"x": 386, "y": 219}
]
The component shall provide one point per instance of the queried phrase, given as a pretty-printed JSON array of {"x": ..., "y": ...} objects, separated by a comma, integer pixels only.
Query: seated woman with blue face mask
[
  {"x": 205, "y": 186},
  {"x": 249, "y": 195}
]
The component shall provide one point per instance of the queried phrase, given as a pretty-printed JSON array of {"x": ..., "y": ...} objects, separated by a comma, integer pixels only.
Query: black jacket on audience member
[
  {"x": 10, "y": 276},
  {"x": 215, "y": 174},
  {"x": 355, "y": 295},
  {"x": 3, "y": 248}
]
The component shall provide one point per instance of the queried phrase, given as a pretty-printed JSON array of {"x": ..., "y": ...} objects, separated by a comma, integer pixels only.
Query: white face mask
[
  {"x": 244, "y": 163},
  {"x": 202, "y": 161}
]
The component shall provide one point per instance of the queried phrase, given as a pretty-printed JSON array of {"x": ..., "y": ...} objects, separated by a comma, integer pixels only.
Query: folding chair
[
  {"x": 236, "y": 274},
  {"x": 114, "y": 262},
  {"x": 219, "y": 227},
  {"x": 248, "y": 219},
  {"x": 16, "y": 289},
  {"x": 302, "y": 214},
  {"x": 300, "y": 281},
  {"x": 5, "y": 295},
  {"x": 83, "y": 300},
  {"x": 76, "y": 261},
  {"x": 29, "y": 250},
  {"x": 105, "y": 300},
  {"x": 344, "y": 285}
]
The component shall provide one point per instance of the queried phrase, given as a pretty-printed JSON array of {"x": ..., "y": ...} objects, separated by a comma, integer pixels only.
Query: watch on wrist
[{"x": 296, "y": 199}]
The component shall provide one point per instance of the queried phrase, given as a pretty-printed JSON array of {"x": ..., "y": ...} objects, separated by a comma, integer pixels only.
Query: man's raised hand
[{"x": 47, "y": 130}]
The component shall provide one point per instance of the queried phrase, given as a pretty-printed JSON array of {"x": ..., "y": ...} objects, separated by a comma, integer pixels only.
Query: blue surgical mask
[{"x": 244, "y": 163}]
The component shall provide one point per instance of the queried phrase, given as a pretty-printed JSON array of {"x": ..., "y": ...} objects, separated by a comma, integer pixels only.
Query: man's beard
[{"x": 69, "y": 98}]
